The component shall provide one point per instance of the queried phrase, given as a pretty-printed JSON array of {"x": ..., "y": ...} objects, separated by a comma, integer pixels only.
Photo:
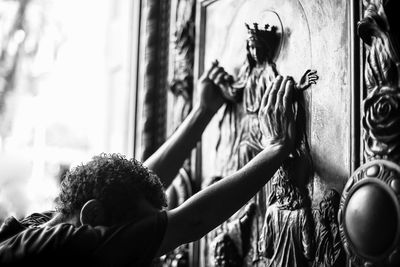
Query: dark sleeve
[
  {"x": 134, "y": 244},
  {"x": 44, "y": 245},
  {"x": 95, "y": 246}
]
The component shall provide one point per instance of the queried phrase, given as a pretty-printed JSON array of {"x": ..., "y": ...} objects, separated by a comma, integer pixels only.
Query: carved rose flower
[{"x": 382, "y": 123}]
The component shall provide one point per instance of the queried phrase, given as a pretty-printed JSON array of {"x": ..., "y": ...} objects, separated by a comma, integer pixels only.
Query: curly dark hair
[{"x": 114, "y": 181}]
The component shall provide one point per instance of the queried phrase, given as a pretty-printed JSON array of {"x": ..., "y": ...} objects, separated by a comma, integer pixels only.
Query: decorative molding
[
  {"x": 181, "y": 64},
  {"x": 328, "y": 246},
  {"x": 381, "y": 120},
  {"x": 233, "y": 242},
  {"x": 183, "y": 43}
]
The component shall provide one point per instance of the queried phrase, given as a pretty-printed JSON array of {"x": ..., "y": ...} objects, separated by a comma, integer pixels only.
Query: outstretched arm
[
  {"x": 167, "y": 160},
  {"x": 213, "y": 205}
]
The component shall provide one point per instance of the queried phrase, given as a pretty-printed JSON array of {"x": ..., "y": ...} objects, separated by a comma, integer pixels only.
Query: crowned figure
[
  {"x": 256, "y": 74},
  {"x": 254, "y": 77}
]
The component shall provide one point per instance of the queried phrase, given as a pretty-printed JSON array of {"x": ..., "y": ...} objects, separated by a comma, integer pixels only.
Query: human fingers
[
  {"x": 272, "y": 94},
  {"x": 220, "y": 78},
  {"x": 264, "y": 99},
  {"x": 281, "y": 92},
  {"x": 228, "y": 78},
  {"x": 307, "y": 72},
  {"x": 214, "y": 65},
  {"x": 313, "y": 75},
  {"x": 288, "y": 95},
  {"x": 311, "y": 72},
  {"x": 215, "y": 72}
]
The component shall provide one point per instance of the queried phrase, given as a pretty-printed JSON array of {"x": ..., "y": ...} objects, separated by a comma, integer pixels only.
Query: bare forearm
[
  {"x": 217, "y": 203},
  {"x": 167, "y": 160}
]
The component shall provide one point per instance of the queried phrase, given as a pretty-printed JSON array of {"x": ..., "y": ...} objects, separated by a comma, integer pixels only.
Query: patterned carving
[
  {"x": 155, "y": 75},
  {"x": 183, "y": 53},
  {"x": 381, "y": 120},
  {"x": 182, "y": 88},
  {"x": 232, "y": 243},
  {"x": 225, "y": 252},
  {"x": 369, "y": 214},
  {"x": 328, "y": 246},
  {"x": 382, "y": 123}
]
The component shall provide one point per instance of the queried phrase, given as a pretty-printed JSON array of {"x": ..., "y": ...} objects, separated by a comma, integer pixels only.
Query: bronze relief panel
[{"x": 296, "y": 212}]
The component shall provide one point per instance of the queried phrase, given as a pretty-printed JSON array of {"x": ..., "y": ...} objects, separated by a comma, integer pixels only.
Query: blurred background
[{"x": 66, "y": 92}]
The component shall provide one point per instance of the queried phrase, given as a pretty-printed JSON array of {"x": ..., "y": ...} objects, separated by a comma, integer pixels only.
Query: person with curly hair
[{"x": 111, "y": 210}]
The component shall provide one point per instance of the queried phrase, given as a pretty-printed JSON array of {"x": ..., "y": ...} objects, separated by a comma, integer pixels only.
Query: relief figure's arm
[{"x": 308, "y": 78}]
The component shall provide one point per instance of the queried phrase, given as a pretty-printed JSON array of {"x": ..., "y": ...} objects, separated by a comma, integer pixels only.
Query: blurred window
[{"x": 66, "y": 92}]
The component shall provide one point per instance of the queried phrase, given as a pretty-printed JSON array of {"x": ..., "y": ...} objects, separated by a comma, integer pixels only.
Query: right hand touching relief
[{"x": 276, "y": 114}]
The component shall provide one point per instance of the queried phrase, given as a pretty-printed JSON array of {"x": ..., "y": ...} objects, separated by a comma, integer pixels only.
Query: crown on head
[{"x": 261, "y": 34}]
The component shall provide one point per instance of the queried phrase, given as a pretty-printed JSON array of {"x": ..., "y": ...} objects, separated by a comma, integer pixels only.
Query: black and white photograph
[{"x": 200, "y": 133}]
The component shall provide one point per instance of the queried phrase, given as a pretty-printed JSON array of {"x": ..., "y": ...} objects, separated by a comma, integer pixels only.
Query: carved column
[
  {"x": 369, "y": 214},
  {"x": 180, "y": 103},
  {"x": 156, "y": 27}
]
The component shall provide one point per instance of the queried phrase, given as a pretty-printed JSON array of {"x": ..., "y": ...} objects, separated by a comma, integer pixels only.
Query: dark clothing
[{"x": 132, "y": 244}]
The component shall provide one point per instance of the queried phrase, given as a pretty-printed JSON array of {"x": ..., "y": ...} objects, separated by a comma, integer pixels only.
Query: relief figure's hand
[{"x": 308, "y": 78}]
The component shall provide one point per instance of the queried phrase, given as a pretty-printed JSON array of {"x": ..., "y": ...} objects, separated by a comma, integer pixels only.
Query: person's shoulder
[
  {"x": 37, "y": 218},
  {"x": 135, "y": 242}
]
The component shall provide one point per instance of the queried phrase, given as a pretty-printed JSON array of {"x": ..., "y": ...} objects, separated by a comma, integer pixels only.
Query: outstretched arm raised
[{"x": 167, "y": 160}]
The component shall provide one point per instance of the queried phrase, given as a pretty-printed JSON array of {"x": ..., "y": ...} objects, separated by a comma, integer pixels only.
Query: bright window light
[{"x": 64, "y": 93}]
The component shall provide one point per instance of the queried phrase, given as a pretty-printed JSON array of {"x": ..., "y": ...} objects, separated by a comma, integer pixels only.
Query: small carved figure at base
[
  {"x": 286, "y": 238},
  {"x": 233, "y": 243},
  {"x": 329, "y": 249}
]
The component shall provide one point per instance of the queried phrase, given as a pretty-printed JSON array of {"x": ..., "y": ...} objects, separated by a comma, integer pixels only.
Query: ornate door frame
[{"x": 369, "y": 215}]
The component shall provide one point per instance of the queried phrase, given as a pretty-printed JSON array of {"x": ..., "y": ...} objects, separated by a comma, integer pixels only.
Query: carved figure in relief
[
  {"x": 254, "y": 80},
  {"x": 329, "y": 250},
  {"x": 287, "y": 237},
  {"x": 232, "y": 244},
  {"x": 255, "y": 76},
  {"x": 381, "y": 121}
]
